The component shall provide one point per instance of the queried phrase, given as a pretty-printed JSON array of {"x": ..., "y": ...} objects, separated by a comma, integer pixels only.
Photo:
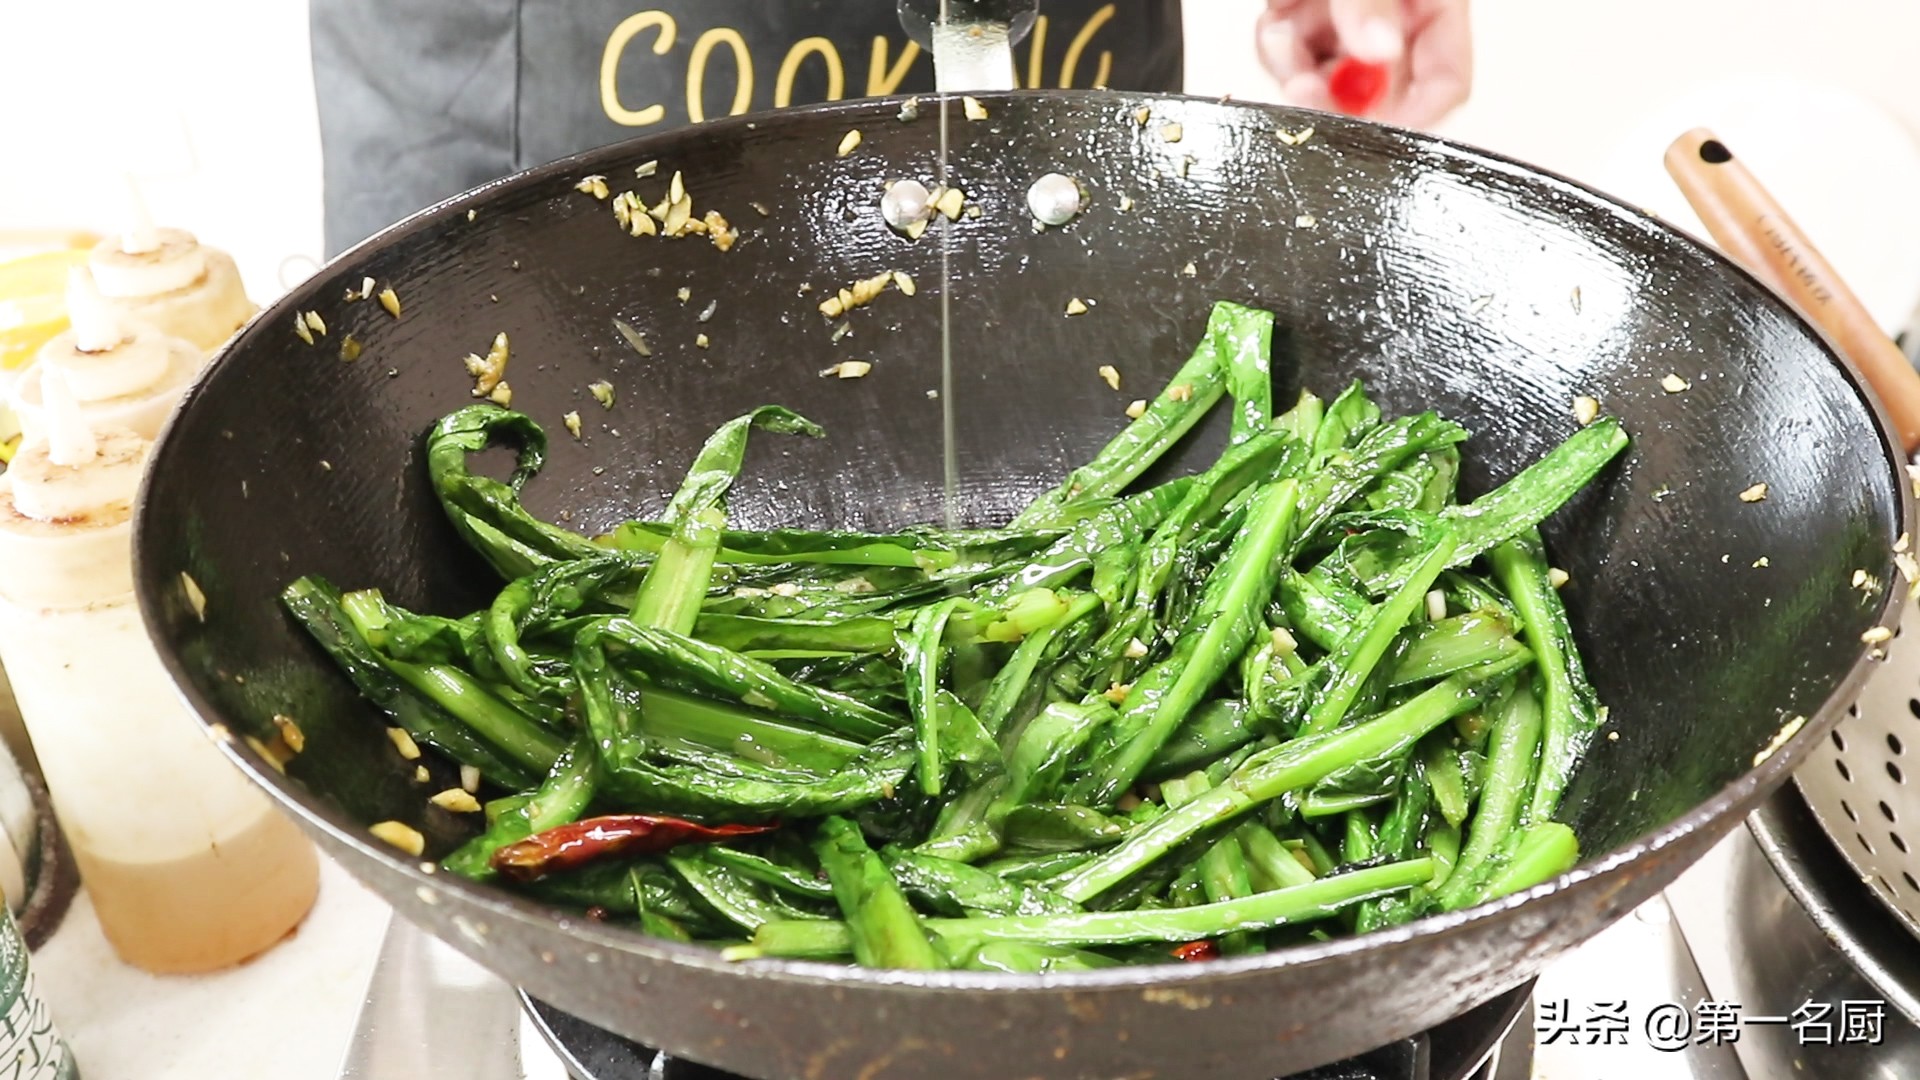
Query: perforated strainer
[{"x": 1857, "y": 780}]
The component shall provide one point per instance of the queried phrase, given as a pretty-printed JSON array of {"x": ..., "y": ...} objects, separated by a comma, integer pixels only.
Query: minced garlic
[
  {"x": 720, "y": 232},
  {"x": 1787, "y": 731},
  {"x": 950, "y": 202},
  {"x": 489, "y": 370},
  {"x": 271, "y": 754},
  {"x": 290, "y": 732},
  {"x": 633, "y": 337},
  {"x": 403, "y": 742},
  {"x": 859, "y": 294},
  {"x": 404, "y": 837},
  {"x": 458, "y": 800},
  {"x": 196, "y": 599}
]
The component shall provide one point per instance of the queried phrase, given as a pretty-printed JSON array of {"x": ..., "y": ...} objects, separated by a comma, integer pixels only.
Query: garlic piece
[
  {"x": 404, "y": 837},
  {"x": 458, "y": 800},
  {"x": 403, "y": 742}
]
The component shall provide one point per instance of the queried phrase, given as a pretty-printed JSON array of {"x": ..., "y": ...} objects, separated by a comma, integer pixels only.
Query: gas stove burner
[{"x": 1459, "y": 1049}]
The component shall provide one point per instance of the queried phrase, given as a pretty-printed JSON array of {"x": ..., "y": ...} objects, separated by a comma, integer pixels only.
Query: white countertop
[
  {"x": 1581, "y": 88},
  {"x": 286, "y": 1015}
]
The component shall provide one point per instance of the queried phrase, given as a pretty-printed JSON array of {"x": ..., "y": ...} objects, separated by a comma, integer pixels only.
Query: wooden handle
[{"x": 1753, "y": 230}]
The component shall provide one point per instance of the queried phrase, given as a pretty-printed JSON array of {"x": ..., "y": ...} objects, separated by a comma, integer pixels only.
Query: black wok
[{"x": 1446, "y": 277}]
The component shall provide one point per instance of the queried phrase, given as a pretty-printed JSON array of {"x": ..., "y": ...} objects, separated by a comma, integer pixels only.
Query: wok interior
[{"x": 1445, "y": 279}]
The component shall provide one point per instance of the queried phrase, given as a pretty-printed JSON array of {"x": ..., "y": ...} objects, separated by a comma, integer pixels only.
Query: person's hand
[{"x": 1425, "y": 46}]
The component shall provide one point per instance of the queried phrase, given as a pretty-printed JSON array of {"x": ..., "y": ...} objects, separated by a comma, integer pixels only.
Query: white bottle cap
[
  {"x": 65, "y": 544},
  {"x": 96, "y": 326},
  {"x": 70, "y": 440},
  {"x": 139, "y": 237}
]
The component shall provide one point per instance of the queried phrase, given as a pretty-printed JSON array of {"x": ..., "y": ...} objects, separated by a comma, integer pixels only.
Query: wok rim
[{"x": 1723, "y": 810}]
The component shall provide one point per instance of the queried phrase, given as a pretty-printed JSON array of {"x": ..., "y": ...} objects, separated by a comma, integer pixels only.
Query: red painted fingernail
[{"x": 1357, "y": 86}]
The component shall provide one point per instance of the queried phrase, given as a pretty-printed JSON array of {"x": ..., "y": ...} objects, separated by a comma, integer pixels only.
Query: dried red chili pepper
[
  {"x": 1197, "y": 950},
  {"x": 1356, "y": 86},
  {"x": 571, "y": 846}
]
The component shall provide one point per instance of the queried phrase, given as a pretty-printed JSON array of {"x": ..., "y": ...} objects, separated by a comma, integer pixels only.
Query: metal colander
[
  {"x": 1857, "y": 779},
  {"x": 1863, "y": 781}
]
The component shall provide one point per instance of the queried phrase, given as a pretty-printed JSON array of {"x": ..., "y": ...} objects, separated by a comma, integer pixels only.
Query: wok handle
[{"x": 1752, "y": 229}]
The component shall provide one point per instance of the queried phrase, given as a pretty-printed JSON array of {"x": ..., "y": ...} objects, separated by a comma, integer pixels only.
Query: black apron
[{"x": 422, "y": 99}]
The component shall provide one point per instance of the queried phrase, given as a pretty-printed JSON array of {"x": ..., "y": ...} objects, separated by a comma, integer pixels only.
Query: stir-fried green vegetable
[{"x": 1304, "y": 685}]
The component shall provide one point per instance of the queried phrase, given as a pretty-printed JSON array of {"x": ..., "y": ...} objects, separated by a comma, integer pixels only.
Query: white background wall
[{"x": 210, "y": 102}]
